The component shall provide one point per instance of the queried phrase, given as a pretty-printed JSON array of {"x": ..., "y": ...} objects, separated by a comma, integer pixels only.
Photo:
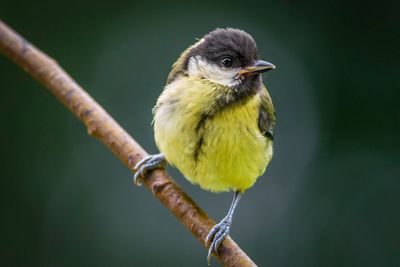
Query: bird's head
[{"x": 227, "y": 57}]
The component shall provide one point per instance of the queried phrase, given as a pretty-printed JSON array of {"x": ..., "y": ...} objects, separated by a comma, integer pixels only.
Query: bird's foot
[
  {"x": 216, "y": 235},
  {"x": 147, "y": 164}
]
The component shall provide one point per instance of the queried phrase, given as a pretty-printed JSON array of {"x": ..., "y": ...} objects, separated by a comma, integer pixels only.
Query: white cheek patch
[{"x": 199, "y": 67}]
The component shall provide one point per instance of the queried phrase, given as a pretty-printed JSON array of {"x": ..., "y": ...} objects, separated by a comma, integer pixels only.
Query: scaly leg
[
  {"x": 221, "y": 230},
  {"x": 147, "y": 164}
]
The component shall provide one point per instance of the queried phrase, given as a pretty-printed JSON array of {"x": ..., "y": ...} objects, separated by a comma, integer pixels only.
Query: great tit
[{"x": 214, "y": 120}]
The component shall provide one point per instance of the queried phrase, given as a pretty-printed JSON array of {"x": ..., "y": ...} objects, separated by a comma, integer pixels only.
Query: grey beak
[
  {"x": 259, "y": 66},
  {"x": 263, "y": 66}
]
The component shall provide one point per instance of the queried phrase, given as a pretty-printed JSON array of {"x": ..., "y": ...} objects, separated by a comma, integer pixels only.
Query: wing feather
[{"x": 266, "y": 116}]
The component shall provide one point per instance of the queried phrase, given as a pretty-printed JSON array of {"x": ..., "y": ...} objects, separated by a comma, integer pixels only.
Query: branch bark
[{"x": 102, "y": 126}]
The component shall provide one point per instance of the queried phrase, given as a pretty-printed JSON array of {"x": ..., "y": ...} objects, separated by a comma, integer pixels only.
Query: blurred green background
[{"x": 329, "y": 198}]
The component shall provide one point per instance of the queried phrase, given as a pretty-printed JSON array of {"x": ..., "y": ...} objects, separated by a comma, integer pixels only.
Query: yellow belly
[{"x": 232, "y": 152}]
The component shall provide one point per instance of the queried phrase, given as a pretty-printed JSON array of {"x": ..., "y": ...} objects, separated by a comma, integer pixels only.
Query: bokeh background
[{"x": 329, "y": 198}]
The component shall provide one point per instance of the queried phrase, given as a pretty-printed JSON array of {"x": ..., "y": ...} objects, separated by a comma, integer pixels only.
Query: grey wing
[{"x": 266, "y": 115}]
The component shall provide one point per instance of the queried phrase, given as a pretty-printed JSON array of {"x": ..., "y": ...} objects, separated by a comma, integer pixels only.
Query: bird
[{"x": 214, "y": 121}]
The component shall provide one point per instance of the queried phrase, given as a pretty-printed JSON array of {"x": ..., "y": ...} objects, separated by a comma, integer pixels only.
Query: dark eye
[{"x": 227, "y": 62}]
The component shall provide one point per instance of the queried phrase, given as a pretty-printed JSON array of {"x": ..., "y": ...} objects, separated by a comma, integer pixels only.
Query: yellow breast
[{"x": 221, "y": 152}]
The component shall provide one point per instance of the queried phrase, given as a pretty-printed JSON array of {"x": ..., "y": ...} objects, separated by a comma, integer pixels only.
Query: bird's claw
[
  {"x": 147, "y": 164},
  {"x": 216, "y": 235}
]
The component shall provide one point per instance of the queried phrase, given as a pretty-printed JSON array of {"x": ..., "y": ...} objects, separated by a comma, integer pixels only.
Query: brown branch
[{"x": 102, "y": 126}]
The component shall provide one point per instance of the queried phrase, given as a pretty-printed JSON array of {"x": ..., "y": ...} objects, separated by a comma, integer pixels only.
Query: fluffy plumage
[
  {"x": 214, "y": 126},
  {"x": 215, "y": 120}
]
